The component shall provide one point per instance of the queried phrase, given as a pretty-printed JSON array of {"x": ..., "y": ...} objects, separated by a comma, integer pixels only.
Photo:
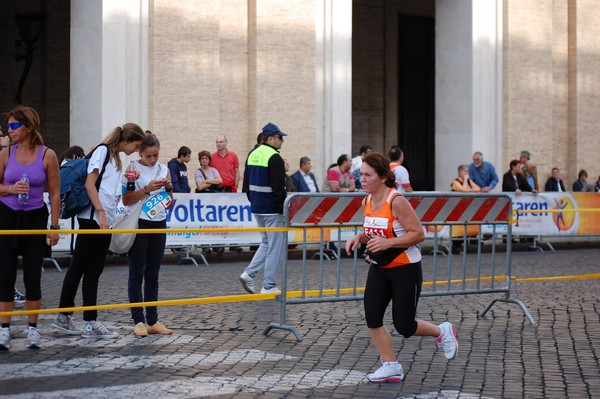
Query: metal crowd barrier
[{"x": 461, "y": 219}]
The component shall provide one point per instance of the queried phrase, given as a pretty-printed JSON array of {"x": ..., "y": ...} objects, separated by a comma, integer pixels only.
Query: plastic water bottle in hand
[
  {"x": 24, "y": 197},
  {"x": 131, "y": 174}
]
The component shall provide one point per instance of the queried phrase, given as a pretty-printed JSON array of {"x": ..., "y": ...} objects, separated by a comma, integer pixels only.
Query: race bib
[
  {"x": 156, "y": 203},
  {"x": 375, "y": 227}
]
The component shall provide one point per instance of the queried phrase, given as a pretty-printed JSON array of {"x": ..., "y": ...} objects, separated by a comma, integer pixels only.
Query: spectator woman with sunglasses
[{"x": 22, "y": 207}]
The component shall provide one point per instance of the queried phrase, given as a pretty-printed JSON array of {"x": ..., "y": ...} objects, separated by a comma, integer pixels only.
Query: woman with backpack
[
  {"x": 145, "y": 256},
  {"x": 103, "y": 180},
  {"x": 25, "y": 168}
]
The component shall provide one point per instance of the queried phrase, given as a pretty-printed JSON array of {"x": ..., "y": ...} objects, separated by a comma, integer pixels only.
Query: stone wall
[{"x": 229, "y": 67}]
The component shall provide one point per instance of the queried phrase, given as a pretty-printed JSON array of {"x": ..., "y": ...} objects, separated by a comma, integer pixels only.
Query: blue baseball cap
[{"x": 270, "y": 129}]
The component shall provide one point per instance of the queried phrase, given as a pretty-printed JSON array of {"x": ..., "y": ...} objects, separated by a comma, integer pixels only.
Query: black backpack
[{"x": 73, "y": 197}]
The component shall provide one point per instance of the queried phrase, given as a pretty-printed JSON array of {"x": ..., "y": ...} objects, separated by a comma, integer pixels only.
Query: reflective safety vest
[{"x": 259, "y": 186}]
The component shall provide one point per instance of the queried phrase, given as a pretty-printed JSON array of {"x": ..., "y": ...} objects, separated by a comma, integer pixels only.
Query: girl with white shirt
[
  {"x": 155, "y": 190},
  {"x": 90, "y": 251}
]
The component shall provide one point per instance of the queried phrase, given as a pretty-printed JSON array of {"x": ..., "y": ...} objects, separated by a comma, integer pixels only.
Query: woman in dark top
[{"x": 513, "y": 180}]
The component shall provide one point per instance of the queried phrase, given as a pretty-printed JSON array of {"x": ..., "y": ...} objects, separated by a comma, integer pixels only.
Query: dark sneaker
[{"x": 19, "y": 299}]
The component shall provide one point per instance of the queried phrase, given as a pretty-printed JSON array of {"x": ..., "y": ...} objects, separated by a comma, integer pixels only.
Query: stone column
[
  {"x": 109, "y": 67},
  {"x": 468, "y": 109},
  {"x": 334, "y": 81}
]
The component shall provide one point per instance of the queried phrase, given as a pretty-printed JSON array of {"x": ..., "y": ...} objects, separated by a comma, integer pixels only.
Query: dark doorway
[
  {"x": 35, "y": 65},
  {"x": 416, "y": 98}
]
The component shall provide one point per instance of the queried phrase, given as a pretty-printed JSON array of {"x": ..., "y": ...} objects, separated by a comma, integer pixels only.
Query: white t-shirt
[
  {"x": 110, "y": 183},
  {"x": 402, "y": 180},
  {"x": 147, "y": 174}
]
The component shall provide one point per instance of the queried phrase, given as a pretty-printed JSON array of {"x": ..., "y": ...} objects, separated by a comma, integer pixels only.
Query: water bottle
[
  {"x": 131, "y": 176},
  {"x": 24, "y": 197}
]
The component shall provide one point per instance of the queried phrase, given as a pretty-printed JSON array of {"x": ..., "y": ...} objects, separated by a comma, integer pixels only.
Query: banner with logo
[
  {"x": 229, "y": 210},
  {"x": 563, "y": 220}
]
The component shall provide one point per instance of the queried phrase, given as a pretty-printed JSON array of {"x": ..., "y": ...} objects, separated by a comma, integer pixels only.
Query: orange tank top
[{"x": 384, "y": 224}]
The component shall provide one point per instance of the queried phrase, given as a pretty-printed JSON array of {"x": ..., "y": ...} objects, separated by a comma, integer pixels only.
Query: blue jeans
[
  {"x": 270, "y": 252},
  {"x": 145, "y": 257}
]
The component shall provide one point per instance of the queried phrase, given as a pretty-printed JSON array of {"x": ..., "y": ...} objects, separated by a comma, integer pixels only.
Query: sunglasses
[{"x": 15, "y": 125}]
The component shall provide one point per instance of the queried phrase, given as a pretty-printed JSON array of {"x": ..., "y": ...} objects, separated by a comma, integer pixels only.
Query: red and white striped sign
[
  {"x": 327, "y": 209},
  {"x": 336, "y": 209},
  {"x": 464, "y": 209}
]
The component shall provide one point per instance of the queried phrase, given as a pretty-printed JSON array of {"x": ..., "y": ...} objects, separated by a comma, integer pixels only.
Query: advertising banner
[{"x": 229, "y": 210}]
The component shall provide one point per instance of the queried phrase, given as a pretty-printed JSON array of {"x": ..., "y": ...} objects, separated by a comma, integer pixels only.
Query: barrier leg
[
  {"x": 507, "y": 299},
  {"x": 54, "y": 262},
  {"x": 285, "y": 327}
]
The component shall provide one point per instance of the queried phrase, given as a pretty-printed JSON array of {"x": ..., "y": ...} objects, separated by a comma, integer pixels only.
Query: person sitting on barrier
[
  {"x": 513, "y": 180},
  {"x": 208, "y": 179},
  {"x": 483, "y": 173},
  {"x": 554, "y": 182},
  {"x": 392, "y": 231},
  {"x": 264, "y": 184},
  {"x": 101, "y": 184},
  {"x": 304, "y": 180},
  {"x": 290, "y": 186},
  {"x": 22, "y": 206},
  {"x": 145, "y": 256},
  {"x": 529, "y": 173},
  {"x": 581, "y": 182},
  {"x": 463, "y": 182},
  {"x": 597, "y": 186},
  {"x": 339, "y": 179}
]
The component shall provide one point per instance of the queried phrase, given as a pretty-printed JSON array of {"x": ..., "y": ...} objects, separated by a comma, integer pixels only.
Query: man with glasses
[{"x": 264, "y": 184}]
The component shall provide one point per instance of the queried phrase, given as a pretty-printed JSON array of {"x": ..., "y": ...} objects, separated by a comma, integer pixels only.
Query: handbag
[
  {"x": 121, "y": 243},
  {"x": 213, "y": 188}
]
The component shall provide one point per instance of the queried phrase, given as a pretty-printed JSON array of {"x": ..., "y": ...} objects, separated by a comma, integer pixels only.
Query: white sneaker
[
  {"x": 4, "y": 338},
  {"x": 95, "y": 329},
  {"x": 273, "y": 290},
  {"x": 447, "y": 340},
  {"x": 33, "y": 338},
  {"x": 247, "y": 283},
  {"x": 388, "y": 372}
]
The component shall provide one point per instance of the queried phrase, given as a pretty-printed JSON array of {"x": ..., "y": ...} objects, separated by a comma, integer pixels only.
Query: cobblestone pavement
[{"x": 219, "y": 350}]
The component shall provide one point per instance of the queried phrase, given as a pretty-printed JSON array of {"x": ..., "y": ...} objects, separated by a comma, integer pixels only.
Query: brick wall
[{"x": 229, "y": 67}]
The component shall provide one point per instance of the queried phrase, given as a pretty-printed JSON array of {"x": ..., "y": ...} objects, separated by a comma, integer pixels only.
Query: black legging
[
  {"x": 402, "y": 286},
  {"x": 30, "y": 247},
  {"x": 87, "y": 262}
]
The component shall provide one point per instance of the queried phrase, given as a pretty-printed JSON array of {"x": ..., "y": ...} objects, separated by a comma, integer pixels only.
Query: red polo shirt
[{"x": 226, "y": 165}]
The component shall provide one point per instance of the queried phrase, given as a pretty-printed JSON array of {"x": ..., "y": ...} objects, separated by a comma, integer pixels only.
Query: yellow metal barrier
[{"x": 264, "y": 297}]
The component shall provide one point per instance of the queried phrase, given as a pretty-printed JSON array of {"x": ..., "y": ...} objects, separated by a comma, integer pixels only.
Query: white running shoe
[
  {"x": 4, "y": 338},
  {"x": 273, "y": 290},
  {"x": 388, "y": 372},
  {"x": 247, "y": 283},
  {"x": 448, "y": 340},
  {"x": 33, "y": 338}
]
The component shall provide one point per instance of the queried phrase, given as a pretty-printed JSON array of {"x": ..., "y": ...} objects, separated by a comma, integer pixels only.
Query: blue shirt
[{"x": 485, "y": 176}]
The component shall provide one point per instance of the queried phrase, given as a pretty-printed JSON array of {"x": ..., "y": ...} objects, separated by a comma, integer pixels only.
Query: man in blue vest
[{"x": 264, "y": 184}]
